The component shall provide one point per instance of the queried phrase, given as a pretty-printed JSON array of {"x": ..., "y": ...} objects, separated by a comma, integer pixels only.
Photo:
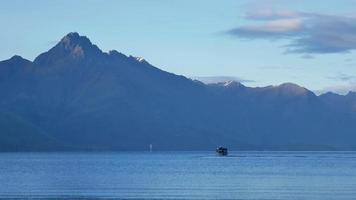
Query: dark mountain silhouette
[{"x": 76, "y": 97}]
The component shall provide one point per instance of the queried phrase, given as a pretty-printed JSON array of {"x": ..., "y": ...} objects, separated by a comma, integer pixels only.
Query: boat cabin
[{"x": 221, "y": 151}]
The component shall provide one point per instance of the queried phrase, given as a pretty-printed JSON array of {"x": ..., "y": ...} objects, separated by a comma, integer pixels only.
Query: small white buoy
[{"x": 151, "y": 147}]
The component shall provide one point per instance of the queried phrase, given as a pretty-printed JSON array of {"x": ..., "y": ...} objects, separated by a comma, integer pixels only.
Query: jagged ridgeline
[{"x": 76, "y": 97}]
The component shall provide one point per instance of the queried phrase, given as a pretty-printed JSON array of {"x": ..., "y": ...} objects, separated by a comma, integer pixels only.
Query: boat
[{"x": 221, "y": 151}]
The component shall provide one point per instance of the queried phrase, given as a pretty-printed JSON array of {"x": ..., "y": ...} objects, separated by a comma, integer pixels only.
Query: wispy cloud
[
  {"x": 308, "y": 33},
  {"x": 307, "y": 56},
  {"x": 269, "y": 14},
  {"x": 272, "y": 29},
  {"x": 344, "y": 77}
]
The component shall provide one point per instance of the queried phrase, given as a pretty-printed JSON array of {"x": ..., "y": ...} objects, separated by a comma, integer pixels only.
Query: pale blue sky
[{"x": 191, "y": 37}]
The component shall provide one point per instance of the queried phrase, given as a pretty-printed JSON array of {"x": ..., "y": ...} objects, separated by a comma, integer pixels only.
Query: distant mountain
[
  {"x": 219, "y": 79},
  {"x": 344, "y": 103},
  {"x": 76, "y": 97}
]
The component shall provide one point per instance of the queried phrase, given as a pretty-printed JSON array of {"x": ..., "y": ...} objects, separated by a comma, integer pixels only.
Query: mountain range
[{"x": 75, "y": 97}]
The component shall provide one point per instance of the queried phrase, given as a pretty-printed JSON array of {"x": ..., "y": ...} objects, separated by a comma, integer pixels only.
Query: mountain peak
[
  {"x": 73, "y": 35},
  {"x": 16, "y": 59},
  {"x": 293, "y": 88},
  {"x": 73, "y": 39},
  {"x": 290, "y": 85},
  {"x": 232, "y": 84},
  {"x": 351, "y": 94},
  {"x": 78, "y": 45},
  {"x": 141, "y": 60},
  {"x": 72, "y": 46},
  {"x": 228, "y": 84},
  {"x": 330, "y": 94}
]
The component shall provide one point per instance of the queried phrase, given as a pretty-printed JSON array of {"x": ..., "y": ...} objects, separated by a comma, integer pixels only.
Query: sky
[{"x": 258, "y": 42}]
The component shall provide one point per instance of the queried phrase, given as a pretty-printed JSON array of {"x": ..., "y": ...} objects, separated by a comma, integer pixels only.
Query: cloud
[
  {"x": 268, "y": 14},
  {"x": 307, "y": 56},
  {"x": 308, "y": 33},
  {"x": 344, "y": 77},
  {"x": 271, "y": 29}
]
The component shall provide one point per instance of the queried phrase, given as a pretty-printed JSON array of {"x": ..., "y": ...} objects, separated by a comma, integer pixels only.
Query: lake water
[{"x": 179, "y": 175}]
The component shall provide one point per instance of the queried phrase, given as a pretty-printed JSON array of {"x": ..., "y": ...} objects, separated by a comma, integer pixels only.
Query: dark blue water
[{"x": 179, "y": 175}]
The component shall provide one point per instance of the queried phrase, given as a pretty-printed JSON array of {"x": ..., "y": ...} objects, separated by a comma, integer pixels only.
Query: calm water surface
[{"x": 179, "y": 175}]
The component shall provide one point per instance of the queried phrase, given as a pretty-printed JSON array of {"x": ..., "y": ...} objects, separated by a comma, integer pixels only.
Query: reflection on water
[{"x": 179, "y": 175}]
